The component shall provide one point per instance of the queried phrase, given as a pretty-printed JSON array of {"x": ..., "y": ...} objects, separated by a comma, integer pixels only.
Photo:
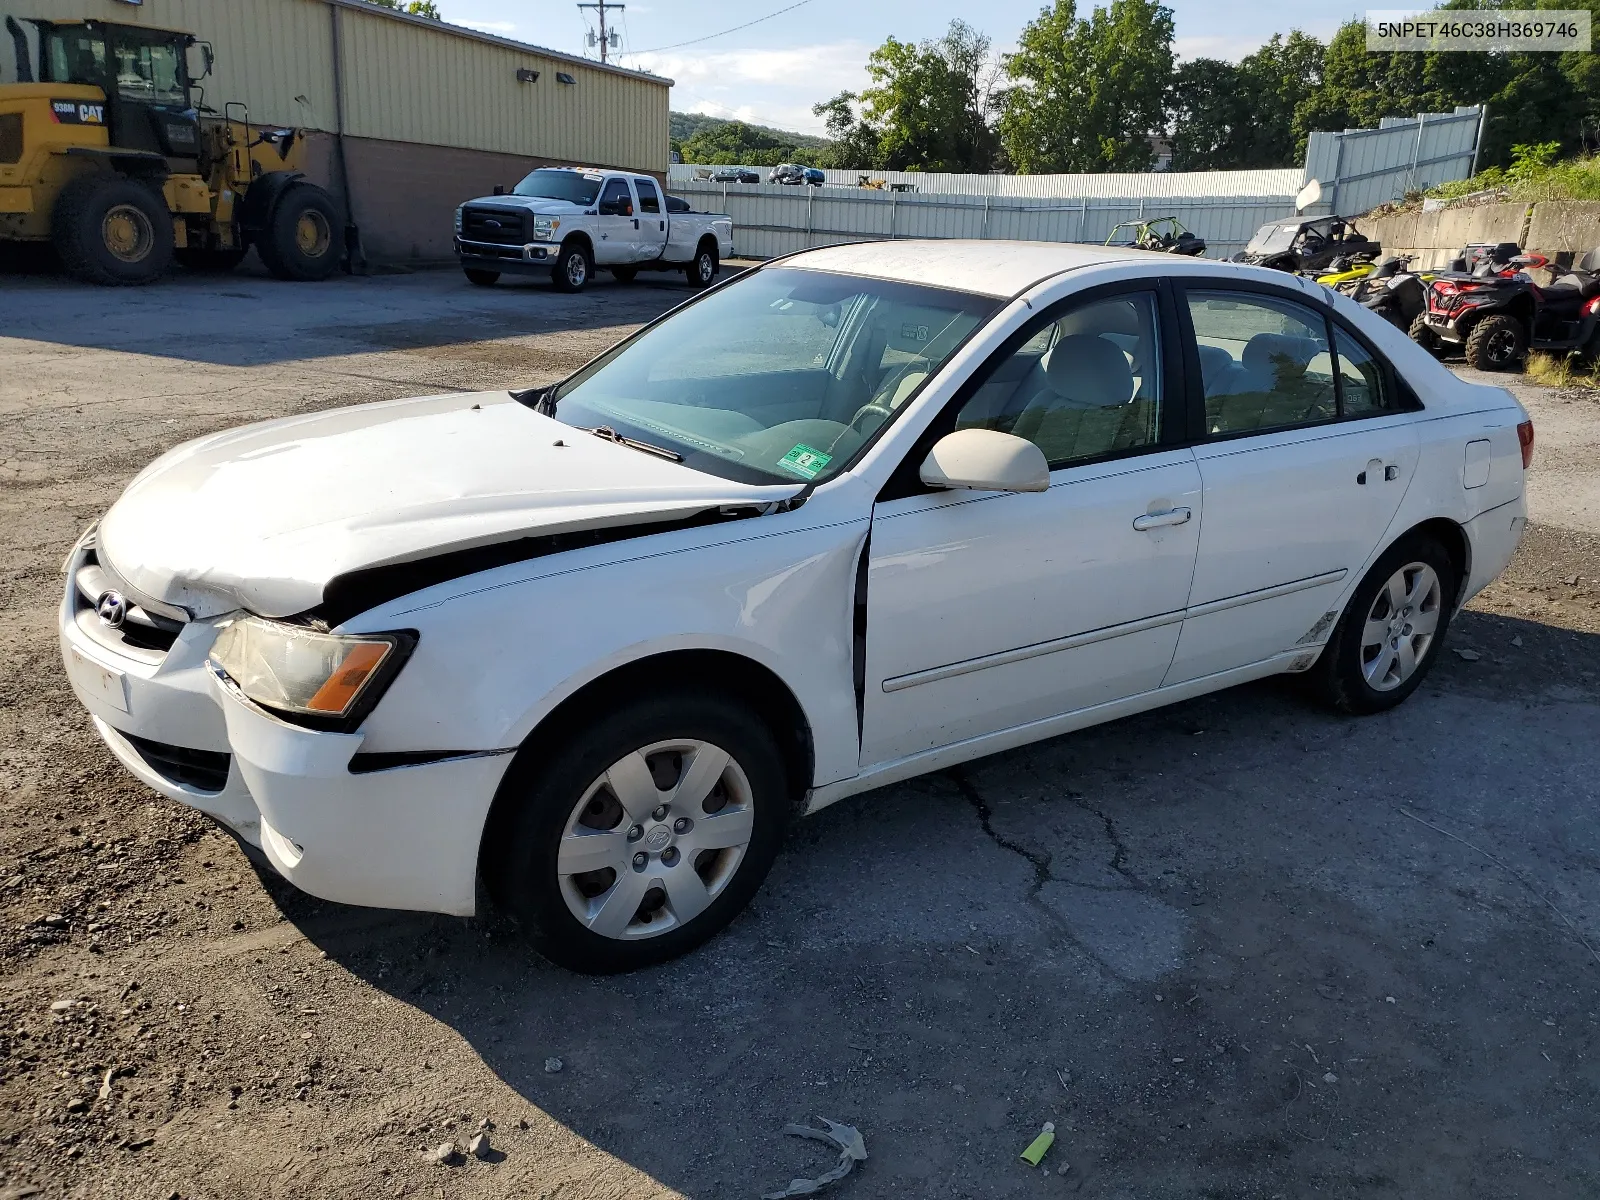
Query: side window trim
[{"x": 904, "y": 480}]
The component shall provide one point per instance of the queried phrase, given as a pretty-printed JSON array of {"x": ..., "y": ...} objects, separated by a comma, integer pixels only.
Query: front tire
[
  {"x": 301, "y": 242},
  {"x": 1497, "y": 343},
  {"x": 112, "y": 230},
  {"x": 573, "y": 268},
  {"x": 479, "y": 277},
  {"x": 1423, "y": 335},
  {"x": 641, "y": 833},
  {"x": 1390, "y": 634},
  {"x": 703, "y": 270}
]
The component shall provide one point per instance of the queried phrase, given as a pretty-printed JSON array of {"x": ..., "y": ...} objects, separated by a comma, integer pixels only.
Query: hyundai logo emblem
[{"x": 113, "y": 609}]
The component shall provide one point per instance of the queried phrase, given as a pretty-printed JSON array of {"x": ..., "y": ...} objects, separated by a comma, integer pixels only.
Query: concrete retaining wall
[{"x": 1434, "y": 238}]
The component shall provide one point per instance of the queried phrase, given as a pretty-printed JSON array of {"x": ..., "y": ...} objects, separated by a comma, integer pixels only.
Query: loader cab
[{"x": 144, "y": 74}]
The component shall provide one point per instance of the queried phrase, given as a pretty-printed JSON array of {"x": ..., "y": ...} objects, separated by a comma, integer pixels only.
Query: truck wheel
[
  {"x": 573, "y": 268},
  {"x": 209, "y": 262},
  {"x": 112, "y": 230},
  {"x": 642, "y": 834},
  {"x": 703, "y": 270},
  {"x": 1423, "y": 335},
  {"x": 624, "y": 274},
  {"x": 479, "y": 276},
  {"x": 301, "y": 241},
  {"x": 1497, "y": 343}
]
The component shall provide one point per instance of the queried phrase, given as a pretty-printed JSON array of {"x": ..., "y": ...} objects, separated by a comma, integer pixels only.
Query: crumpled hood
[{"x": 264, "y": 516}]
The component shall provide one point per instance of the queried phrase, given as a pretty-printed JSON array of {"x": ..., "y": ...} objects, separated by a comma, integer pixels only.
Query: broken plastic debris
[
  {"x": 852, "y": 1149},
  {"x": 1468, "y": 655},
  {"x": 1040, "y": 1144}
]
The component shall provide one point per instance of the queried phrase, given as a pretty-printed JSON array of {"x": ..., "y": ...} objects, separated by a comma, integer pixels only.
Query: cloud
[
  {"x": 1233, "y": 47},
  {"x": 769, "y": 86},
  {"x": 504, "y": 28}
]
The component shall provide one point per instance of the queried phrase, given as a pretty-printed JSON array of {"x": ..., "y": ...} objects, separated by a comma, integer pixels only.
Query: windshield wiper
[{"x": 611, "y": 435}]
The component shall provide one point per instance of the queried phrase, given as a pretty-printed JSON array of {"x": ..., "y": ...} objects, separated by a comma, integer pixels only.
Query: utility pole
[{"x": 608, "y": 39}]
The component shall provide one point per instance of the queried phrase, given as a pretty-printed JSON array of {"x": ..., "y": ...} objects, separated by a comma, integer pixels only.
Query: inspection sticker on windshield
[{"x": 805, "y": 461}]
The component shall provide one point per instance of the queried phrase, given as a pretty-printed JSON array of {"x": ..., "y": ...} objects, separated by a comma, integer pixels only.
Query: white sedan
[{"x": 864, "y": 513}]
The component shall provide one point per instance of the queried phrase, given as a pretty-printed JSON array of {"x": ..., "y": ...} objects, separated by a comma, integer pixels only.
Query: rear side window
[
  {"x": 1266, "y": 363},
  {"x": 649, "y": 199},
  {"x": 1361, "y": 384}
]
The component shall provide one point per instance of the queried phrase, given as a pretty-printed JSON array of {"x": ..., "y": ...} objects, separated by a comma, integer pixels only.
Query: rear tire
[
  {"x": 1497, "y": 343},
  {"x": 112, "y": 230},
  {"x": 573, "y": 268},
  {"x": 301, "y": 240},
  {"x": 479, "y": 277},
  {"x": 1391, "y": 632},
  {"x": 702, "y": 271},
  {"x": 561, "y": 792}
]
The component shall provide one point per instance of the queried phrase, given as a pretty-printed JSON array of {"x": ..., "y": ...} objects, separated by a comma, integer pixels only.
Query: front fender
[{"x": 499, "y": 651}]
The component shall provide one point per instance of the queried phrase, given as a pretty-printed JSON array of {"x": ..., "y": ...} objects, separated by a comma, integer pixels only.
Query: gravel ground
[{"x": 1236, "y": 948}]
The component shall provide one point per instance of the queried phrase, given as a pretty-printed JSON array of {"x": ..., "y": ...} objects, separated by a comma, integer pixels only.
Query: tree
[
  {"x": 927, "y": 106},
  {"x": 733, "y": 143},
  {"x": 417, "y": 8},
  {"x": 1087, "y": 94},
  {"x": 1227, "y": 117},
  {"x": 853, "y": 144}
]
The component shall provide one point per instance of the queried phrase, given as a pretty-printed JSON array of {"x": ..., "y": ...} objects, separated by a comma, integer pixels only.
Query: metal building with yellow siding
[{"x": 415, "y": 114}]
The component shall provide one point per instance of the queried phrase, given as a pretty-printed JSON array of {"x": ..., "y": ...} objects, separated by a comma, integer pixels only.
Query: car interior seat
[{"x": 1087, "y": 405}]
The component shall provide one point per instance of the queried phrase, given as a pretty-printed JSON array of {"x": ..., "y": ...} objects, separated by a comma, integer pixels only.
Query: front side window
[
  {"x": 780, "y": 377},
  {"x": 1084, "y": 386},
  {"x": 616, "y": 200},
  {"x": 554, "y": 183},
  {"x": 649, "y": 198},
  {"x": 149, "y": 72},
  {"x": 1265, "y": 362}
]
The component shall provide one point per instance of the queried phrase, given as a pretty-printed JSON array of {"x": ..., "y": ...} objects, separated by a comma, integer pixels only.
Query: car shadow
[
  {"x": 247, "y": 318},
  {"x": 1227, "y": 945}
]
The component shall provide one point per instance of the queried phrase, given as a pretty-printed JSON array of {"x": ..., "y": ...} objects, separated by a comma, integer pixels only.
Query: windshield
[
  {"x": 1271, "y": 238},
  {"x": 780, "y": 377},
  {"x": 550, "y": 183}
]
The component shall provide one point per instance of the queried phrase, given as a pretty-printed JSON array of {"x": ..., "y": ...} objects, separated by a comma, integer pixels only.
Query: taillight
[
  {"x": 1525, "y": 440},
  {"x": 1591, "y": 306}
]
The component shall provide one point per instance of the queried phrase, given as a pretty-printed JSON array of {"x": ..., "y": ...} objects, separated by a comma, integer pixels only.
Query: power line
[{"x": 725, "y": 32}]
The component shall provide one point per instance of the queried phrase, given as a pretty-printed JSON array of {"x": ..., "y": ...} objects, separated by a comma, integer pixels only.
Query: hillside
[{"x": 684, "y": 126}]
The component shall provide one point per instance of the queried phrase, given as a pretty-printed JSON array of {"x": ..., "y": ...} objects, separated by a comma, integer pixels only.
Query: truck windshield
[
  {"x": 781, "y": 376},
  {"x": 550, "y": 183}
]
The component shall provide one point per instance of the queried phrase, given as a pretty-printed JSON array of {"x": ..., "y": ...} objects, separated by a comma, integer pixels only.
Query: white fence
[{"x": 1358, "y": 169}]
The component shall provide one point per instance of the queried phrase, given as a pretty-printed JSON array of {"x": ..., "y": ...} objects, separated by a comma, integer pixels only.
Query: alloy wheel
[
  {"x": 703, "y": 268},
  {"x": 1400, "y": 626},
  {"x": 577, "y": 269},
  {"x": 1502, "y": 346},
  {"x": 655, "y": 839}
]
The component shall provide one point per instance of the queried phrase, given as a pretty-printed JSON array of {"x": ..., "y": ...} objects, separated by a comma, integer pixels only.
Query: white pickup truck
[{"x": 570, "y": 220}]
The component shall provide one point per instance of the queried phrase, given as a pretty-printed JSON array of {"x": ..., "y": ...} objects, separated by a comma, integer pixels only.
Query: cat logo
[{"x": 74, "y": 112}]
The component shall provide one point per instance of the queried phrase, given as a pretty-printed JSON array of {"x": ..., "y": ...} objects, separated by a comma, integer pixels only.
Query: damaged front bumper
[{"x": 406, "y": 836}]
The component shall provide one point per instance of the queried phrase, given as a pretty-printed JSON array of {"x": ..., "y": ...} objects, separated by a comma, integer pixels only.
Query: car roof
[{"x": 991, "y": 268}]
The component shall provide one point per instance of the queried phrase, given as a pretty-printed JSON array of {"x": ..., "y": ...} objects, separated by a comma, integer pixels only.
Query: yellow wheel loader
[{"x": 107, "y": 155}]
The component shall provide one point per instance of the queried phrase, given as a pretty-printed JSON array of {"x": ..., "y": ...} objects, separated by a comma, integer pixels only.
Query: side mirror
[
  {"x": 499, "y": 189},
  {"x": 986, "y": 460}
]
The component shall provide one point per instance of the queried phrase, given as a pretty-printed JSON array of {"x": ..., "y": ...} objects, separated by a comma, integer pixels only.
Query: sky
[{"x": 772, "y": 72}]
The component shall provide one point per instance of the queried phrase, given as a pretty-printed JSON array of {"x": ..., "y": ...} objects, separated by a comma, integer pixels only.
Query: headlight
[
  {"x": 458, "y": 220},
  {"x": 291, "y": 669},
  {"x": 545, "y": 228}
]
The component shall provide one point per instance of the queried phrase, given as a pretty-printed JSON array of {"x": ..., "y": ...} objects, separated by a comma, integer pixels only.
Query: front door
[
  {"x": 987, "y": 611},
  {"x": 650, "y": 239},
  {"x": 1305, "y": 458},
  {"x": 615, "y": 225}
]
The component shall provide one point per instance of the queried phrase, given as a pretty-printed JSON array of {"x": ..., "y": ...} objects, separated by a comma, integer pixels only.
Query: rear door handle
[{"x": 1157, "y": 520}]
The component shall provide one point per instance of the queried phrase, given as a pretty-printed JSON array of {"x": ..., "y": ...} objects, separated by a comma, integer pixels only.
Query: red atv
[{"x": 1497, "y": 312}]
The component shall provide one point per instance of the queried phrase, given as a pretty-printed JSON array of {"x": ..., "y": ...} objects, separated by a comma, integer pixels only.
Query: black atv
[
  {"x": 1497, "y": 316},
  {"x": 1394, "y": 291}
]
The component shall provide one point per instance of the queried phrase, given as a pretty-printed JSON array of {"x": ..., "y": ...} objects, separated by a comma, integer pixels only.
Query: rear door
[
  {"x": 650, "y": 236},
  {"x": 1305, "y": 451}
]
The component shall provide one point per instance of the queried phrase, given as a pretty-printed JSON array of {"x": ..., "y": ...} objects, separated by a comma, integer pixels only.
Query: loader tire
[
  {"x": 301, "y": 239},
  {"x": 112, "y": 230}
]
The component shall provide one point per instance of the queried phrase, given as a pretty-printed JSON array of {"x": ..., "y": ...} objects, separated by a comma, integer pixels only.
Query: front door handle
[{"x": 1157, "y": 520}]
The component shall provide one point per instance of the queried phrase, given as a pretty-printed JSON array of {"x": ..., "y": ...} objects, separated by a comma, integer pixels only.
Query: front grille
[
  {"x": 201, "y": 770},
  {"x": 502, "y": 226},
  {"x": 140, "y": 630}
]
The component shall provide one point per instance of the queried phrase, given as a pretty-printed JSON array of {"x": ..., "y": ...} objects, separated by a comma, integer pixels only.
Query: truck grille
[{"x": 498, "y": 225}]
